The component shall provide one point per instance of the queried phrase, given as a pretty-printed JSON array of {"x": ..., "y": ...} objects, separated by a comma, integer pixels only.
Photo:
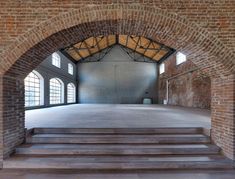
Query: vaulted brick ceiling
[{"x": 139, "y": 44}]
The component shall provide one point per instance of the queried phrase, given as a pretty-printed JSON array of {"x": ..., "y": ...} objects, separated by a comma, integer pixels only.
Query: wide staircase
[{"x": 118, "y": 149}]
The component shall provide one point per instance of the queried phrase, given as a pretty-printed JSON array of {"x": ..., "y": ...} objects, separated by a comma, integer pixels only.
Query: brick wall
[
  {"x": 223, "y": 114},
  {"x": 187, "y": 85},
  {"x": 31, "y": 30},
  {"x": 12, "y": 113}
]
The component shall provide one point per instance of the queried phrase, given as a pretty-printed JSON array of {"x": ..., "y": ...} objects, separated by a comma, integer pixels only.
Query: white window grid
[
  {"x": 56, "y": 91},
  {"x": 71, "y": 93},
  {"x": 32, "y": 90},
  {"x": 56, "y": 59},
  {"x": 70, "y": 69}
]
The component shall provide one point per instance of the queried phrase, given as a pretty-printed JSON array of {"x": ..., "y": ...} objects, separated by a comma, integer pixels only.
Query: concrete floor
[{"x": 117, "y": 116}]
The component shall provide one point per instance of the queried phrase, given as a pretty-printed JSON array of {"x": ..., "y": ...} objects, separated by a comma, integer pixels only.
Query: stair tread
[
  {"x": 114, "y": 146},
  {"x": 114, "y": 149},
  {"x": 119, "y": 130},
  {"x": 117, "y": 162},
  {"x": 118, "y": 135},
  {"x": 123, "y": 159},
  {"x": 118, "y": 138}
]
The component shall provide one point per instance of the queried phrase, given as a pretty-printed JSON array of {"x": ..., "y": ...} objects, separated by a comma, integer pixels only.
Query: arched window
[
  {"x": 56, "y": 91},
  {"x": 34, "y": 89},
  {"x": 56, "y": 59},
  {"x": 71, "y": 93},
  {"x": 70, "y": 69}
]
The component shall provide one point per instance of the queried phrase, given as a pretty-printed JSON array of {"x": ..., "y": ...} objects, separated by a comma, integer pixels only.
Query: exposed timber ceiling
[{"x": 132, "y": 44}]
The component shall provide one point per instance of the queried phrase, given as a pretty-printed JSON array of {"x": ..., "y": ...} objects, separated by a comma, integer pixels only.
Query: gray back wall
[{"x": 117, "y": 79}]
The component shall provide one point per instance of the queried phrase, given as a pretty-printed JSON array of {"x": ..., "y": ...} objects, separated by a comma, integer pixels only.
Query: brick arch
[
  {"x": 35, "y": 45},
  {"x": 201, "y": 47}
]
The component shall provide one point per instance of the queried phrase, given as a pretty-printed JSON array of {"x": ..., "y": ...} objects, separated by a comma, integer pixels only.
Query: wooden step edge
[
  {"x": 161, "y": 165},
  {"x": 191, "y": 130},
  {"x": 139, "y": 150}
]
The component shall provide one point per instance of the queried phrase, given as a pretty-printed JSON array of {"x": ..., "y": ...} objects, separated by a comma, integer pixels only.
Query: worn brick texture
[
  {"x": 31, "y": 30},
  {"x": 188, "y": 85}
]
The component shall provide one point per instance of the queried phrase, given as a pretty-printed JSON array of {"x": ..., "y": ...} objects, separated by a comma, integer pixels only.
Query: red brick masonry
[{"x": 31, "y": 30}]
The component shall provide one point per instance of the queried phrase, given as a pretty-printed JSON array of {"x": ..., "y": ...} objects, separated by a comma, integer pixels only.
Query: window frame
[
  {"x": 70, "y": 69},
  {"x": 56, "y": 60},
  {"x": 41, "y": 89},
  {"x": 74, "y": 93},
  {"x": 61, "y": 91}
]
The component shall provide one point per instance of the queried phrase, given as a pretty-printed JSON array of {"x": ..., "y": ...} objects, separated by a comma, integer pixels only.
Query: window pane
[
  {"x": 70, "y": 69},
  {"x": 71, "y": 93},
  {"x": 32, "y": 90},
  {"x": 180, "y": 58},
  {"x": 55, "y": 91},
  {"x": 56, "y": 59},
  {"x": 162, "y": 68}
]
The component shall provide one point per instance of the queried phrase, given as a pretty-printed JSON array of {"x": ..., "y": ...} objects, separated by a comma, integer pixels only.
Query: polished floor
[{"x": 117, "y": 116}]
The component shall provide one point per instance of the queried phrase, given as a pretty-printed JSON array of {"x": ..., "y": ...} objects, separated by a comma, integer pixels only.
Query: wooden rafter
[
  {"x": 157, "y": 51},
  {"x": 127, "y": 38},
  {"x": 145, "y": 50},
  {"x": 97, "y": 43},
  {"x": 78, "y": 53},
  {"x": 88, "y": 49},
  {"x": 137, "y": 43}
]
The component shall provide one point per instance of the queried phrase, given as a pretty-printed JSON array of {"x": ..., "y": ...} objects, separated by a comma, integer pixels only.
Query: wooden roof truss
[{"x": 139, "y": 48}]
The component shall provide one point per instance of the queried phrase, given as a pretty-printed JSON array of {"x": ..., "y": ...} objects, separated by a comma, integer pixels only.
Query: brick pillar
[
  {"x": 12, "y": 114},
  {"x": 223, "y": 114},
  {"x": 1, "y": 122}
]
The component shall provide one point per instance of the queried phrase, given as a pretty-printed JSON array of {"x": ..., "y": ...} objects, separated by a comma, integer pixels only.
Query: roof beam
[
  {"x": 117, "y": 39},
  {"x": 90, "y": 54},
  {"x": 127, "y": 38},
  {"x": 137, "y": 42},
  {"x": 136, "y": 45},
  {"x": 157, "y": 51},
  {"x": 78, "y": 53},
  {"x": 107, "y": 41},
  {"x": 147, "y": 48},
  {"x": 97, "y": 43}
]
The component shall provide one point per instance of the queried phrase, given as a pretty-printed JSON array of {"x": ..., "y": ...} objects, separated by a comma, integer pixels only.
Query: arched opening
[{"x": 166, "y": 28}]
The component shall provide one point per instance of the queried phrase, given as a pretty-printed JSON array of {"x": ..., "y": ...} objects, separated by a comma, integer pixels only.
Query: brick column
[
  {"x": 1, "y": 122},
  {"x": 223, "y": 114},
  {"x": 12, "y": 114}
]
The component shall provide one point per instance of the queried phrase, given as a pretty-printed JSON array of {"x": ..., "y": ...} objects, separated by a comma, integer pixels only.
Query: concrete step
[
  {"x": 188, "y": 130},
  {"x": 122, "y": 163},
  {"x": 119, "y": 139},
  {"x": 115, "y": 149}
]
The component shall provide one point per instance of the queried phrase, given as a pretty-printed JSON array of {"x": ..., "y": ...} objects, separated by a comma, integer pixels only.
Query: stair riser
[
  {"x": 118, "y": 131},
  {"x": 71, "y": 140},
  {"x": 192, "y": 151},
  {"x": 119, "y": 166}
]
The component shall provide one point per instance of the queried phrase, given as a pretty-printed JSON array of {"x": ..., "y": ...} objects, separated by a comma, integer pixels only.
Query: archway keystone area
[{"x": 201, "y": 47}]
